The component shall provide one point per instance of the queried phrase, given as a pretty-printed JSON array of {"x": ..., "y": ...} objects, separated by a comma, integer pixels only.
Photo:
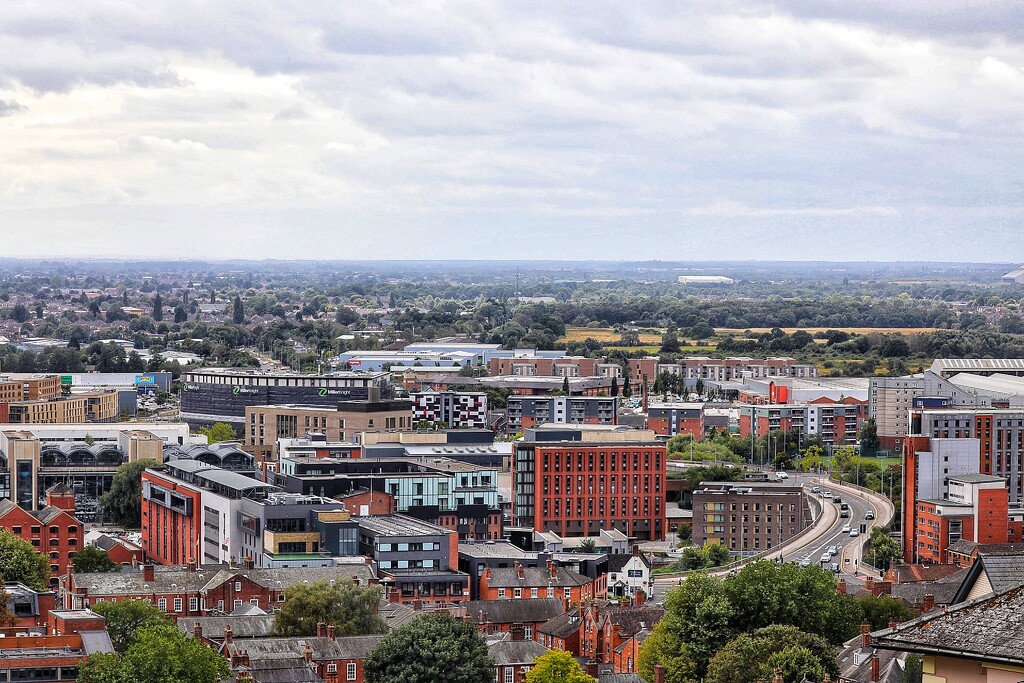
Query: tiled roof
[
  {"x": 528, "y": 611},
  {"x": 562, "y": 626},
  {"x": 620, "y": 678},
  {"x": 854, "y": 662},
  {"x": 348, "y": 647},
  {"x": 506, "y": 652},
  {"x": 535, "y": 577},
  {"x": 638, "y": 637},
  {"x": 617, "y": 561},
  {"x": 905, "y": 573},
  {"x": 241, "y": 627},
  {"x": 985, "y": 629},
  {"x": 630, "y": 619}
]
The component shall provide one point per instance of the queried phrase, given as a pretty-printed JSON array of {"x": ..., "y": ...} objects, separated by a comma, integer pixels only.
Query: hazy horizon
[{"x": 795, "y": 131}]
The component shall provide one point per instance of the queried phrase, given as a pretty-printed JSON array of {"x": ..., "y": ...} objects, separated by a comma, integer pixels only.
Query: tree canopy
[
  {"x": 433, "y": 648},
  {"x": 352, "y": 610},
  {"x": 220, "y": 431},
  {"x": 20, "y": 563},
  {"x": 557, "y": 666},
  {"x": 753, "y": 656},
  {"x": 89, "y": 560},
  {"x": 124, "y": 499},
  {"x": 160, "y": 653},
  {"x": 126, "y": 618}
]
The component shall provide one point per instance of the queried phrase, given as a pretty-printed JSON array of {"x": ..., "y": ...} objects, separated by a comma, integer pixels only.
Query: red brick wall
[
  {"x": 179, "y": 533},
  {"x": 57, "y": 539}
]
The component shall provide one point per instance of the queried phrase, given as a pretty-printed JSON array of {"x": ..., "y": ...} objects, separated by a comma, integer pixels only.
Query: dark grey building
[{"x": 748, "y": 516}]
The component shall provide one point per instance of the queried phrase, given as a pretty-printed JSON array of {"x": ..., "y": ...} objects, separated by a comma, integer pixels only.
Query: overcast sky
[{"x": 815, "y": 129}]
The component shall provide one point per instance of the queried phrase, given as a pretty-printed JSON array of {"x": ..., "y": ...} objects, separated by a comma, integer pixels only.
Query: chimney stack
[
  {"x": 659, "y": 673},
  {"x": 876, "y": 666},
  {"x": 841, "y": 586},
  {"x": 929, "y": 602},
  {"x": 893, "y": 622},
  {"x": 517, "y": 632},
  {"x": 321, "y": 629},
  {"x": 248, "y": 562},
  {"x": 147, "y": 573},
  {"x": 636, "y": 550},
  {"x": 307, "y": 654},
  {"x": 331, "y": 631},
  {"x": 197, "y": 631},
  {"x": 865, "y": 634},
  {"x": 519, "y": 570},
  {"x": 228, "y": 638},
  {"x": 777, "y": 678},
  {"x": 553, "y": 569},
  {"x": 593, "y": 669},
  {"x": 190, "y": 566}
]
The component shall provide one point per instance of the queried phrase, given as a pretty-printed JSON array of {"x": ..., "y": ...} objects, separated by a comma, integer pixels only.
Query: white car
[
  {"x": 854, "y": 533},
  {"x": 781, "y": 475},
  {"x": 806, "y": 562},
  {"x": 846, "y": 528},
  {"x": 826, "y": 557}
]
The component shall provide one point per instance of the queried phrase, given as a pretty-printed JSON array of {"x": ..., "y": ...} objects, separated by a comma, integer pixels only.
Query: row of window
[{"x": 548, "y": 592}]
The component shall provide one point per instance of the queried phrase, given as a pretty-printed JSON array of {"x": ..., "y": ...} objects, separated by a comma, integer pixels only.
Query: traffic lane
[{"x": 838, "y": 537}]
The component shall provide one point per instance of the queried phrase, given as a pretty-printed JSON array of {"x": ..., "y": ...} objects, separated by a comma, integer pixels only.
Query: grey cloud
[{"x": 9, "y": 107}]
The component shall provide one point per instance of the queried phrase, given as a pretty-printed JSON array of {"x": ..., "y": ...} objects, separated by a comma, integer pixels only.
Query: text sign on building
[{"x": 635, "y": 573}]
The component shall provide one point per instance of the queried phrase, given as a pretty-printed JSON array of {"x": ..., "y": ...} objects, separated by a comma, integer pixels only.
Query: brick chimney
[
  {"x": 321, "y": 629},
  {"x": 876, "y": 666},
  {"x": 841, "y": 586},
  {"x": 197, "y": 631},
  {"x": 228, "y": 638},
  {"x": 893, "y": 622},
  {"x": 517, "y": 632},
  {"x": 865, "y": 634},
  {"x": 593, "y": 669},
  {"x": 553, "y": 569},
  {"x": 636, "y": 550},
  {"x": 777, "y": 678},
  {"x": 659, "y": 673},
  {"x": 519, "y": 570},
  {"x": 240, "y": 658},
  {"x": 331, "y": 632},
  {"x": 417, "y": 605},
  {"x": 929, "y": 602},
  {"x": 248, "y": 562},
  {"x": 307, "y": 654},
  {"x": 147, "y": 573},
  {"x": 639, "y": 597}
]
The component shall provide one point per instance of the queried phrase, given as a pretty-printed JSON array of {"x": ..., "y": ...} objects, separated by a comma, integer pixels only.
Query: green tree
[
  {"x": 123, "y": 501},
  {"x": 698, "y": 615},
  {"x": 587, "y": 545},
  {"x": 237, "y": 311},
  {"x": 879, "y": 610},
  {"x": 158, "y": 307},
  {"x": 180, "y": 315},
  {"x": 557, "y": 666},
  {"x": 160, "y": 654},
  {"x": 882, "y": 549},
  {"x": 91, "y": 560},
  {"x": 669, "y": 342},
  {"x": 869, "y": 441},
  {"x": 565, "y": 385},
  {"x": 20, "y": 563},
  {"x": 351, "y": 609},
  {"x": 433, "y": 648},
  {"x": 627, "y": 390},
  {"x": 615, "y": 386},
  {"x": 664, "y": 646},
  {"x": 913, "y": 671},
  {"x": 126, "y": 619},
  {"x": 751, "y": 656},
  {"x": 220, "y": 431}
]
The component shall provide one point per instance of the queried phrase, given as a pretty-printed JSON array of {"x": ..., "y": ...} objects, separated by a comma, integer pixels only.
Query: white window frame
[
  {"x": 161, "y": 604},
  {"x": 178, "y": 604},
  {"x": 193, "y": 604},
  {"x": 350, "y": 671}
]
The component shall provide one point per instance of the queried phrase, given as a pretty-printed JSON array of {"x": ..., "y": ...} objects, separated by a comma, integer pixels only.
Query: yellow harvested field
[
  {"x": 814, "y": 330},
  {"x": 604, "y": 334}
]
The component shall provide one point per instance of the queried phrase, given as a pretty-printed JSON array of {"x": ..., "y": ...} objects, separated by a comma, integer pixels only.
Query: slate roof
[
  {"x": 985, "y": 629},
  {"x": 506, "y": 651},
  {"x": 396, "y": 614},
  {"x": 890, "y": 663},
  {"x": 1003, "y": 572},
  {"x": 130, "y": 581},
  {"x": 343, "y": 647},
  {"x": 241, "y": 626},
  {"x": 620, "y": 678},
  {"x": 562, "y": 626},
  {"x": 96, "y": 641},
  {"x": 286, "y": 670},
  {"x": 535, "y": 577},
  {"x": 528, "y": 611},
  {"x": 618, "y": 561},
  {"x": 905, "y": 573},
  {"x": 639, "y": 637},
  {"x": 630, "y": 619},
  {"x": 942, "y": 591}
]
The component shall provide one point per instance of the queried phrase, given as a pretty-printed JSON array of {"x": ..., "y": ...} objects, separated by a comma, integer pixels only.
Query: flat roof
[{"x": 399, "y": 525}]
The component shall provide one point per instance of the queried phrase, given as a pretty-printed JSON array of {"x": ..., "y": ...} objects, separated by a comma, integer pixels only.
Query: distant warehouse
[{"x": 705, "y": 280}]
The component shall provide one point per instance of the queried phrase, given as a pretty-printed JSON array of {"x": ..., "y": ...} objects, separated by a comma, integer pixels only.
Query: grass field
[{"x": 605, "y": 334}]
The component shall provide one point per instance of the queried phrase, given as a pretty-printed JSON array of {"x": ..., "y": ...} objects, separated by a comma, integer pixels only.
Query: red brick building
[
  {"x": 201, "y": 591},
  {"x": 671, "y": 419},
  {"x": 51, "y": 531},
  {"x": 580, "y": 488},
  {"x": 171, "y": 532},
  {"x": 562, "y": 632},
  {"x": 607, "y": 628},
  {"x": 72, "y": 637},
  {"x": 502, "y": 616},
  {"x": 524, "y": 583},
  {"x": 569, "y": 366},
  {"x": 976, "y": 509},
  {"x": 324, "y": 657}
]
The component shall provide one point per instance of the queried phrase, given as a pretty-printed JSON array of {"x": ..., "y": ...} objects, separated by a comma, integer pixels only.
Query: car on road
[
  {"x": 844, "y": 513},
  {"x": 834, "y": 567},
  {"x": 869, "y": 515},
  {"x": 854, "y": 533},
  {"x": 815, "y": 489},
  {"x": 826, "y": 494},
  {"x": 846, "y": 528},
  {"x": 806, "y": 562},
  {"x": 825, "y": 557},
  {"x": 781, "y": 475},
  {"x": 834, "y": 550},
  {"x": 837, "y": 499}
]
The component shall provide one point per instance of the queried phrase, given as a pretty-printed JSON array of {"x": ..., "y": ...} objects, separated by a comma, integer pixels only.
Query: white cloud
[{"x": 449, "y": 127}]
